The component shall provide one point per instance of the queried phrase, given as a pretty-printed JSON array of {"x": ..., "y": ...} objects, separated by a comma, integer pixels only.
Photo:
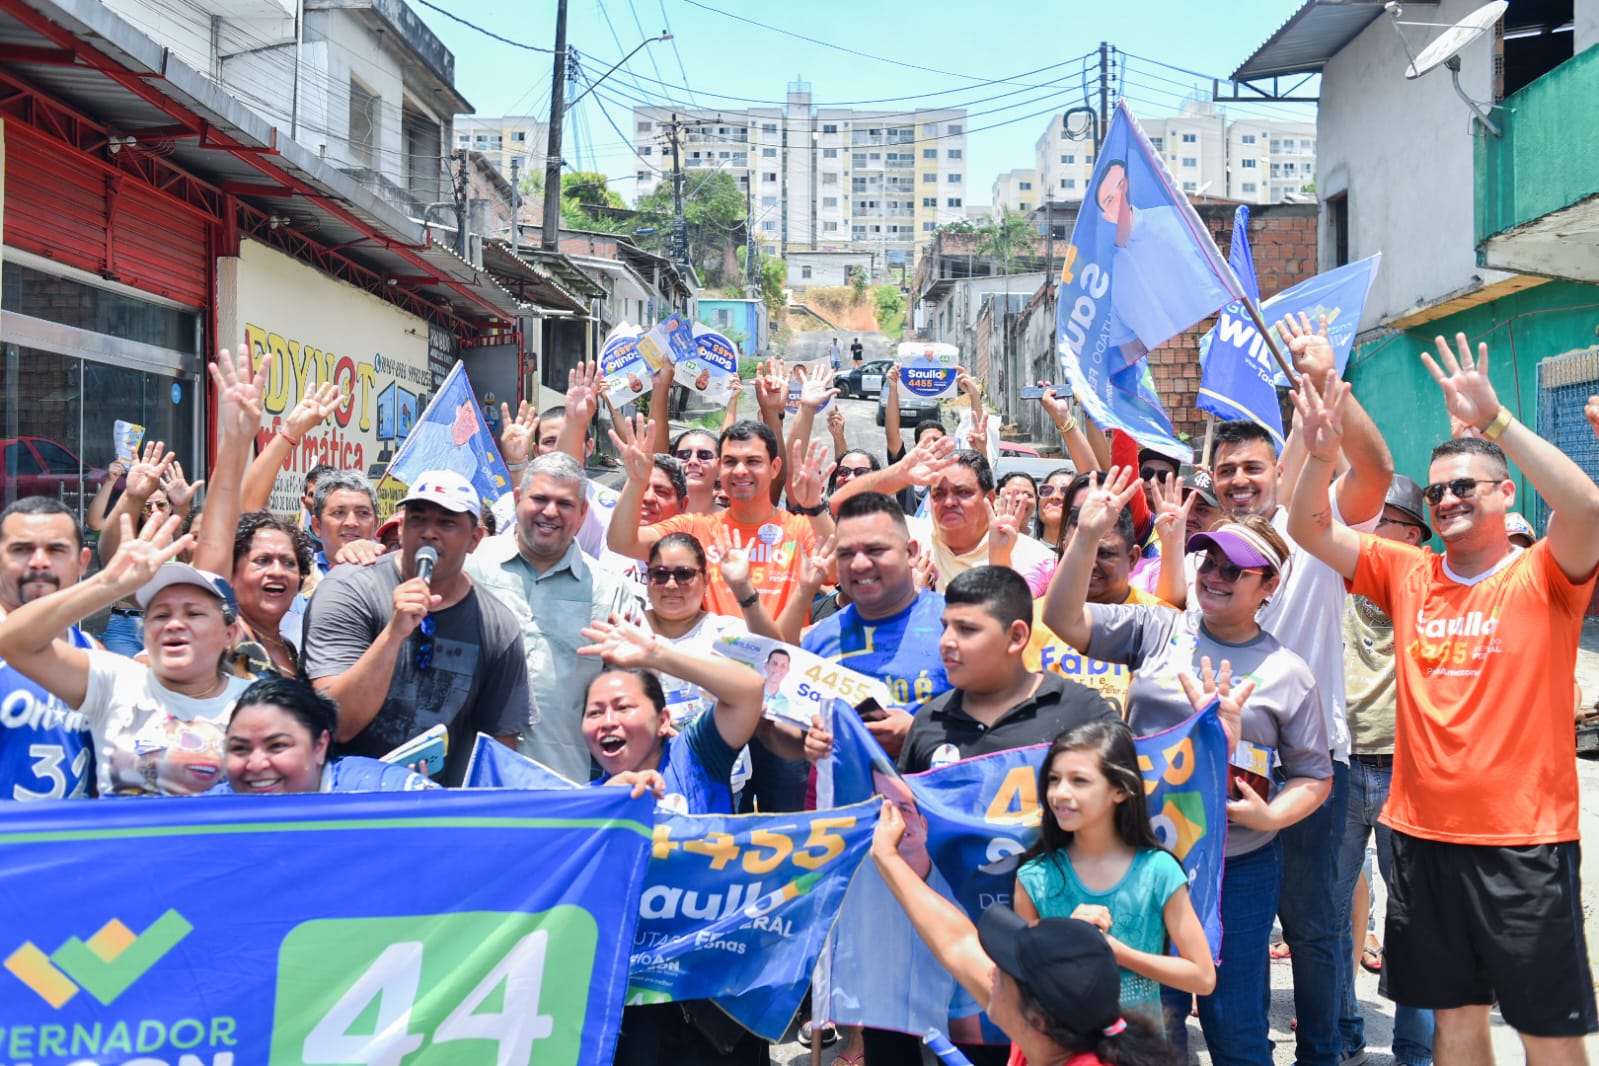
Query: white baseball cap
[
  {"x": 449, "y": 490},
  {"x": 175, "y": 573}
]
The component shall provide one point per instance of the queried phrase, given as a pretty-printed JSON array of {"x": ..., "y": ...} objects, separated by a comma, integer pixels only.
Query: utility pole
[
  {"x": 552, "y": 161},
  {"x": 460, "y": 190},
  {"x": 750, "y": 265},
  {"x": 679, "y": 222},
  {"x": 516, "y": 204},
  {"x": 1049, "y": 233},
  {"x": 1104, "y": 89}
]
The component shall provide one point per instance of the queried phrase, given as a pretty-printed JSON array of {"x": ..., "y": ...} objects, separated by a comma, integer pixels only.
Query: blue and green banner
[{"x": 437, "y": 929}]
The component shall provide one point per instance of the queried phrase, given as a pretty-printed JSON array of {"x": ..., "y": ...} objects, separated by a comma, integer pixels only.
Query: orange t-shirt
[
  {"x": 1484, "y": 748},
  {"x": 775, "y": 546}
]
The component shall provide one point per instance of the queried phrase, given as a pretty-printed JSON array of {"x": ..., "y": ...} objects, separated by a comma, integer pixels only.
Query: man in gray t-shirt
[
  {"x": 1283, "y": 713},
  {"x": 402, "y": 655}
]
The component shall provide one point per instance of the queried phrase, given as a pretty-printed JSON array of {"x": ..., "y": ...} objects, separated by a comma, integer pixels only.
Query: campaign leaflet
[
  {"x": 928, "y": 370},
  {"x": 671, "y": 341},
  {"x": 126, "y": 438},
  {"x": 627, "y": 375},
  {"x": 799, "y": 685},
  {"x": 711, "y": 366}
]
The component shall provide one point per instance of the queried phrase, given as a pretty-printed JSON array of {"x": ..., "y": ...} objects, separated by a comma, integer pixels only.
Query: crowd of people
[{"x": 1373, "y": 690}]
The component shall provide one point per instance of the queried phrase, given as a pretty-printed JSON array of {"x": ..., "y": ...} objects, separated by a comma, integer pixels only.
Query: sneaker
[{"x": 1353, "y": 1058}]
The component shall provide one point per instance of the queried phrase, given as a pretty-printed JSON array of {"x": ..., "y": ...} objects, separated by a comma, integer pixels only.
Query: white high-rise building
[
  {"x": 819, "y": 179},
  {"x": 505, "y": 138},
  {"x": 1017, "y": 190},
  {"x": 1256, "y": 160}
]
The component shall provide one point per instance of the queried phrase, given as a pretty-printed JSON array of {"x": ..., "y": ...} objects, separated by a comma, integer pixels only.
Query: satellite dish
[{"x": 1456, "y": 37}]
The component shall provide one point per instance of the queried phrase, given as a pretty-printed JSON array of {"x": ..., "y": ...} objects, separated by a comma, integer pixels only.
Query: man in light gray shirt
[{"x": 537, "y": 570}]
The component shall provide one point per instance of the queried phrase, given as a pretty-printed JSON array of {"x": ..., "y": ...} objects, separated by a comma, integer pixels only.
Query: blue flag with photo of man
[
  {"x": 452, "y": 435},
  {"x": 1236, "y": 368},
  {"x": 1141, "y": 268}
]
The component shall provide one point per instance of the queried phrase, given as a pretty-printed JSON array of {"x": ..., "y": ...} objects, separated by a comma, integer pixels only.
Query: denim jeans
[
  {"x": 1368, "y": 791},
  {"x": 124, "y": 634},
  {"x": 1310, "y": 924},
  {"x": 1233, "y": 1017}
]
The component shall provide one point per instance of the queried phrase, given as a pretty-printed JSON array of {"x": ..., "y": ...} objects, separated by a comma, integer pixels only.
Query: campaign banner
[
  {"x": 968, "y": 823},
  {"x": 1236, "y": 380},
  {"x": 438, "y": 928},
  {"x": 800, "y": 684},
  {"x": 126, "y": 438},
  {"x": 711, "y": 367},
  {"x": 622, "y": 365},
  {"x": 452, "y": 435},
  {"x": 734, "y": 908},
  {"x": 1340, "y": 294},
  {"x": 1140, "y": 268},
  {"x": 671, "y": 340},
  {"x": 928, "y": 370}
]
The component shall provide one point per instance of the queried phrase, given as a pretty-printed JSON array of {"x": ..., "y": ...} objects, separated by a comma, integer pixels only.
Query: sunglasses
[
  {"x": 424, "y": 644},
  {"x": 1464, "y": 488},
  {"x": 855, "y": 471},
  {"x": 1227, "y": 571},
  {"x": 704, "y": 455},
  {"x": 662, "y": 575},
  {"x": 1045, "y": 491}
]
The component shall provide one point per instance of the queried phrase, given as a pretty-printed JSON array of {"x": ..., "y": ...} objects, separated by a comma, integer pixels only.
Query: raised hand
[
  {"x": 1310, "y": 349},
  {"x": 930, "y": 457},
  {"x": 732, "y": 559},
  {"x": 631, "y": 439},
  {"x": 144, "y": 476},
  {"x": 518, "y": 435},
  {"x": 239, "y": 391},
  {"x": 771, "y": 387},
  {"x": 1171, "y": 510},
  {"x": 891, "y": 382},
  {"x": 1097, "y": 514},
  {"x": 835, "y": 425},
  {"x": 620, "y": 643},
  {"x": 816, "y": 386},
  {"x": 1058, "y": 407},
  {"x": 1321, "y": 416},
  {"x": 583, "y": 387},
  {"x": 1214, "y": 685},
  {"x": 1468, "y": 394},
  {"x": 816, "y": 568},
  {"x": 180, "y": 491},
  {"x": 809, "y": 468},
  {"x": 923, "y": 569},
  {"x": 977, "y": 439},
  {"x": 1004, "y": 522},
  {"x": 662, "y": 378},
  {"x": 138, "y": 558},
  {"x": 319, "y": 402}
]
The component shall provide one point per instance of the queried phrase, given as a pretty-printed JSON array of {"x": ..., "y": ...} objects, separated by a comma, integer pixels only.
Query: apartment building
[
  {"x": 820, "y": 178},
  {"x": 1255, "y": 160},
  {"x": 502, "y": 139},
  {"x": 1017, "y": 190}
]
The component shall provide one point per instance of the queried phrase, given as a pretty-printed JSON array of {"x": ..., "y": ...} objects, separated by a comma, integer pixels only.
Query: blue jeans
[
  {"x": 1311, "y": 924},
  {"x": 1233, "y": 1017},
  {"x": 124, "y": 634},
  {"x": 1368, "y": 791}
]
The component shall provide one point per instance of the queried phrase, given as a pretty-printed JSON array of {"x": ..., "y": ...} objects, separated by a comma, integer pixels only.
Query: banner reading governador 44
[{"x": 437, "y": 929}]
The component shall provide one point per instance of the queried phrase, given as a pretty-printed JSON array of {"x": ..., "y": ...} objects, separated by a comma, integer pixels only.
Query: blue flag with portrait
[
  {"x": 452, "y": 435},
  {"x": 1141, "y": 268},
  {"x": 440, "y": 927},
  {"x": 1236, "y": 369},
  {"x": 1339, "y": 294}
]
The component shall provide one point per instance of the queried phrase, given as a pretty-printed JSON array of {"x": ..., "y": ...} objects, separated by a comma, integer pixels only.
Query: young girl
[{"x": 1098, "y": 860}]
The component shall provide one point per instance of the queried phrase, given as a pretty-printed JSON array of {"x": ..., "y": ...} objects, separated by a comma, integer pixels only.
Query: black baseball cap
[{"x": 1065, "y": 964}]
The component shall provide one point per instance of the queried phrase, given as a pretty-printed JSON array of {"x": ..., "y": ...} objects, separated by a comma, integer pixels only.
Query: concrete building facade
[
  {"x": 505, "y": 138},
  {"x": 1017, "y": 190}
]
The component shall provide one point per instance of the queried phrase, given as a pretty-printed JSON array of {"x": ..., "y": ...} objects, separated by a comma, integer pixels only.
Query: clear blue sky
[{"x": 966, "y": 47}]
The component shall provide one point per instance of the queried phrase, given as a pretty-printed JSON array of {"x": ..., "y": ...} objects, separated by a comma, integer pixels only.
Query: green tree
[
  {"x": 1006, "y": 238},
  {"x": 960, "y": 225},
  {"x": 584, "y": 194},
  {"x": 713, "y": 207}
]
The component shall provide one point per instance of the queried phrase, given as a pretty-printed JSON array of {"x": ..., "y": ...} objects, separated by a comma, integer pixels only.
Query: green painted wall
[
  {"x": 1521, "y": 329},
  {"x": 1547, "y": 155}
]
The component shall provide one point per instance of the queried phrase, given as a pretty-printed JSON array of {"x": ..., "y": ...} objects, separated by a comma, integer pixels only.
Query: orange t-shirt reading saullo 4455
[
  {"x": 1484, "y": 748},
  {"x": 775, "y": 547}
]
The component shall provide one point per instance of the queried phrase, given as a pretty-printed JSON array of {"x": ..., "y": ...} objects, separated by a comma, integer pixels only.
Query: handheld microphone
[{"x": 427, "y": 558}]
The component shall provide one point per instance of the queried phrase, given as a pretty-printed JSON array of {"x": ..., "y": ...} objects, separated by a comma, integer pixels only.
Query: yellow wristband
[
  {"x": 1492, "y": 430},
  {"x": 1069, "y": 425}
]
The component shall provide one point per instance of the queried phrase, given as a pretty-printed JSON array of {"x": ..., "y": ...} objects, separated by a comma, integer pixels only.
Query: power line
[
  {"x": 667, "y": 28},
  {"x": 485, "y": 32}
]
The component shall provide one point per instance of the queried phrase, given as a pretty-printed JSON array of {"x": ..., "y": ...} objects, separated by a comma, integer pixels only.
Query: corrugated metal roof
[{"x": 1315, "y": 33}]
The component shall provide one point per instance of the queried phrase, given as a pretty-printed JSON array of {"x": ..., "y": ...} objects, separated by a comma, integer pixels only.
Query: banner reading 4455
[{"x": 427, "y": 928}]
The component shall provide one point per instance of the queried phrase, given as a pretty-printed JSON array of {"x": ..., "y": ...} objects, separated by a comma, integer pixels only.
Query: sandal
[
  {"x": 1280, "y": 950},
  {"x": 807, "y": 1034},
  {"x": 843, "y": 1059},
  {"x": 1371, "y": 958}
]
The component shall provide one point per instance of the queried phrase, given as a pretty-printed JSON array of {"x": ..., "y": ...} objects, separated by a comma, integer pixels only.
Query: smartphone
[
  {"x": 1033, "y": 392},
  {"x": 870, "y": 711},
  {"x": 430, "y": 747}
]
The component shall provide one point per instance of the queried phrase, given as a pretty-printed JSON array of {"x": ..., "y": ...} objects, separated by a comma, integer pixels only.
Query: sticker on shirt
[
  {"x": 798, "y": 683},
  {"x": 770, "y": 534},
  {"x": 943, "y": 755},
  {"x": 166, "y": 755}
]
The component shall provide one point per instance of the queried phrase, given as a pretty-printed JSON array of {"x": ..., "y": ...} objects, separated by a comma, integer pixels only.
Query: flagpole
[
  {"x": 1210, "y": 438},
  {"x": 1271, "y": 342}
]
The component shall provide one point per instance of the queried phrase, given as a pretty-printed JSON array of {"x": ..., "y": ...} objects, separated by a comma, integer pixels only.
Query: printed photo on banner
[
  {"x": 711, "y": 367},
  {"x": 670, "y": 341},
  {"x": 1141, "y": 268},
  {"x": 126, "y": 438},
  {"x": 928, "y": 370},
  {"x": 799, "y": 684},
  {"x": 622, "y": 365},
  {"x": 451, "y": 435}
]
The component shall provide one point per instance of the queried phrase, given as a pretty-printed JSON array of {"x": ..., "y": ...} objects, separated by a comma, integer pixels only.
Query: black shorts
[{"x": 1469, "y": 924}]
